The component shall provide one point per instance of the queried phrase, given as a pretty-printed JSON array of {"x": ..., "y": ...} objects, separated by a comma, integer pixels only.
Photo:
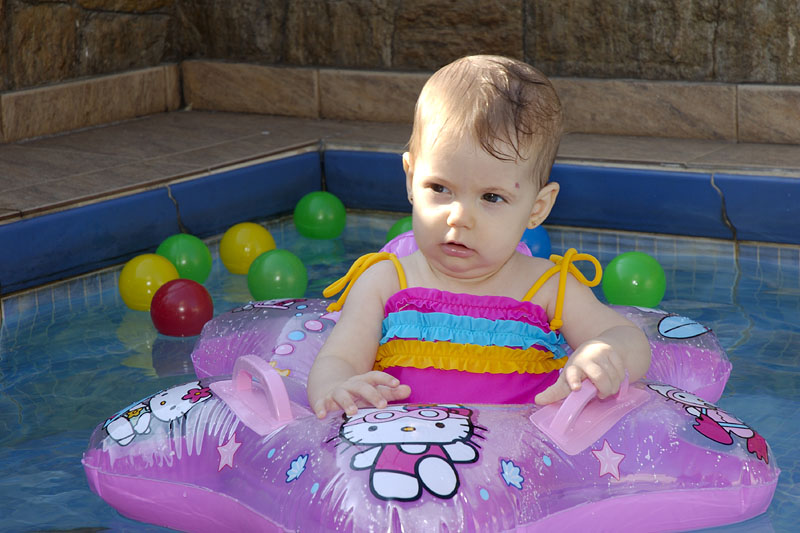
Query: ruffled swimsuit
[{"x": 454, "y": 348}]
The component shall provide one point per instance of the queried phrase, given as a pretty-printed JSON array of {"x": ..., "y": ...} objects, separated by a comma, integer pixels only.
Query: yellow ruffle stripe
[{"x": 467, "y": 357}]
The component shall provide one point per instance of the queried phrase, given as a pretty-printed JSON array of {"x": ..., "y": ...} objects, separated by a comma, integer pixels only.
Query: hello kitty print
[{"x": 411, "y": 448}]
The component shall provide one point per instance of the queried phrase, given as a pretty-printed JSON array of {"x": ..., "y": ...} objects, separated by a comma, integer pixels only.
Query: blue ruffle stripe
[{"x": 470, "y": 330}]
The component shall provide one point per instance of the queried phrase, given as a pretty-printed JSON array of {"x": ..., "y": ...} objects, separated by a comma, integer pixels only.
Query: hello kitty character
[
  {"x": 167, "y": 406},
  {"x": 713, "y": 422},
  {"x": 411, "y": 447}
]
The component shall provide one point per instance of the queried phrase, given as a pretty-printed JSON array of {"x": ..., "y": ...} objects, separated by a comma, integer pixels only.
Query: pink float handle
[
  {"x": 574, "y": 404},
  {"x": 250, "y": 366},
  {"x": 260, "y": 412}
]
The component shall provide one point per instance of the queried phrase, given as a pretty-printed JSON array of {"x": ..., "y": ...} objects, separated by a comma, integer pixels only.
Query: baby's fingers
[{"x": 345, "y": 401}]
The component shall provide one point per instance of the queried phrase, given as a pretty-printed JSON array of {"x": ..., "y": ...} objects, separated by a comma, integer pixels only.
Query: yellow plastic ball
[
  {"x": 241, "y": 244},
  {"x": 141, "y": 277}
]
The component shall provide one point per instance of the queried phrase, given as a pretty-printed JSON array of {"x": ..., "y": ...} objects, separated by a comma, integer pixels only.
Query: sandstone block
[
  {"x": 372, "y": 96},
  {"x": 250, "y": 88},
  {"x": 114, "y": 42},
  {"x": 769, "y": 114},
  {"x": 126, "y": 6},
  {"x": 347, "y": 33},
  {"x": 246, "y": 30},
  {"x": 78, "y": 104},
  {"x": 43, "y": 43},
  {"x": 648, "y": 108},
  {"x": 432, "y": 33},
  {"x": 650, "y": 39},
  {"x": 757, "y": 41}
]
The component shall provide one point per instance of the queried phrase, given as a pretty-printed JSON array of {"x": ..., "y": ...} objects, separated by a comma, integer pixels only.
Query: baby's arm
[
  {"x": 342, "y": 375},
  {"x": 606, "y": 346}
]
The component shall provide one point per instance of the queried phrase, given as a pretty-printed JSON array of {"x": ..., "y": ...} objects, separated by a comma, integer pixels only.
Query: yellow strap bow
[
  {"x": 361, "y": 264},
  {"x": 563, "y": 265}
]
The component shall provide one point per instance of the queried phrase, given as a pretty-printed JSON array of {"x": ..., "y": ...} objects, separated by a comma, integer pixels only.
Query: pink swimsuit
[{"x": 461, "y": 348}]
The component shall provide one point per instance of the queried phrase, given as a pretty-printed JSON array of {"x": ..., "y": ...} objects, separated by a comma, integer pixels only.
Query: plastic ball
[
  {"x": 181, "y": 308},
  {"x": 277, "y": 274},
  {"x": 538, "y": 241},
  {"x": 189, "y": 254},
  {"x": 241, "y": 244},
  {"x": 141, "y": 277},
  {"x": 634, "y": 278},
  {"x": 401, "y": 226},
  {"x": 320, "y": 215}
]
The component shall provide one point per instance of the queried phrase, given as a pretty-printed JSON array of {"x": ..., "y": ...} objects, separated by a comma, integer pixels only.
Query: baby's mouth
[{"x": 456, "y": 249}]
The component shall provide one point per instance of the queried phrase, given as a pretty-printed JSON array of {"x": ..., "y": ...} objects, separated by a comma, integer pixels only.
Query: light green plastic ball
[
  {"x": 320, "y": 215},
  {"x": 189, "y": 254},
  {"x": 634, "y": 278},
  {"x": 401, "y": 226},
  {"x": 277, "y": 274}
]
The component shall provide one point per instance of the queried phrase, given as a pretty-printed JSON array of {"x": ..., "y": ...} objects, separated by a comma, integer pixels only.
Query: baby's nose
[{"x": 460, "y": 215}]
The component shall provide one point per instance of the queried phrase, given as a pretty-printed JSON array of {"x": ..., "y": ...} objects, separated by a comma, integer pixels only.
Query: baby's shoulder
[{"x": 381, "y": 278}]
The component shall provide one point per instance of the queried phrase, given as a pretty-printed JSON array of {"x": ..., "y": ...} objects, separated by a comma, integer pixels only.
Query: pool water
[{"x": 71, "y": 354}]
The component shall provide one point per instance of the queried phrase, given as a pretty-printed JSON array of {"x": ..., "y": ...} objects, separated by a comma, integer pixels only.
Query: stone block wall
[
  {"x": 732, "y": 41},
  {"x": 669, "y": 57}
]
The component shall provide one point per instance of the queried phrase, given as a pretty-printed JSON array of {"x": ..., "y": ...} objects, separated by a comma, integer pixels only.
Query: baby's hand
[
  {"x": 374, "y": 388},
  {"x": 595, "y": 360}
]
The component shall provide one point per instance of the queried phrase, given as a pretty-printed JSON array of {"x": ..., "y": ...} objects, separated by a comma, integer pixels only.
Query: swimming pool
[{"x": 67, "y": 348}]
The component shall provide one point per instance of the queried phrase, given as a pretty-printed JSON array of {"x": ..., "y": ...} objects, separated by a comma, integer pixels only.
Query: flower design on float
[
  {"x": 511, "y": 474},
  {"x": 297, "y": 468},
  {"x": 195, "y": 395}
]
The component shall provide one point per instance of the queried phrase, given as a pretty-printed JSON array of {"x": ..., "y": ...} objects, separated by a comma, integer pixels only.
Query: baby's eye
[
  {"x": 493, "y": 198},
  {"x": 436, "y": 187}
]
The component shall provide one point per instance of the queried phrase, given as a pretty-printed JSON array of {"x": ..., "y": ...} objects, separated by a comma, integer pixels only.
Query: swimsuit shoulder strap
[
  {"x": 562, "y": 266},
  {"x": 359, "y": 267}
]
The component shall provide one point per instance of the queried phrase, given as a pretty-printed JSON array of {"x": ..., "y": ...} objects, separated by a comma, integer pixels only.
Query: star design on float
[
  {"x": 609, "y": 460},
  {"x": 226, "y": 452}
]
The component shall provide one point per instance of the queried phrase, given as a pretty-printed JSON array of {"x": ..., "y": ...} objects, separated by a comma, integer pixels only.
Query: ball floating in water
[
  {"x": 181, "y": 307},
  {"x": 320, "y": 215},
  {"x": 241, "y": 244},
  {"x": 277, "y": 274},
  {"x": 401, "y": 226},
  {"x": 189, "y": 254},
  {"x": 141, "y": 277},
  {"x": 538, "y": 241},
  {"x": 634, "y": 278}
]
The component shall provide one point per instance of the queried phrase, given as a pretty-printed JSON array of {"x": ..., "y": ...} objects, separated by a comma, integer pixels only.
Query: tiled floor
[{"x": 57, "y": 172}]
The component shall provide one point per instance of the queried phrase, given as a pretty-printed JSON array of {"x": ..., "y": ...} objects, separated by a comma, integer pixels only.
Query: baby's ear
[
  {"x": 408, "y": 168},
  {"x": 545, "y": 199}
]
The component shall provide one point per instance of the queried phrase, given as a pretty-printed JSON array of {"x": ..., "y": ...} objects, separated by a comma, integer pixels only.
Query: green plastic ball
[
  {"x": 634, "y": 278},
  {"x": 189, "y": 254},
  {"x": 277, "y": 274},
  {"x": 320, "y": 215},
  {"x": 401, "y": 226}
]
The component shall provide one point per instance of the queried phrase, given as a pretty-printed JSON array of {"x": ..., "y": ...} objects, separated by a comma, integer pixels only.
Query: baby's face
[{"x": 470, "y": 209}]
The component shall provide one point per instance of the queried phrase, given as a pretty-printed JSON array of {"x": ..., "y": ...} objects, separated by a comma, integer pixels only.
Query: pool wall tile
[
  {"x": 762, "y": 208},
  {"x": 87, "y": 238},
  {"x": 681, "y": 203},
  {"x": 212, "y": 204},
  {"x": 367, "y": 180}
]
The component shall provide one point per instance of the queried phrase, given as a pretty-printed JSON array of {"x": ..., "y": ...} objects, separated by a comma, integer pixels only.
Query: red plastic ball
[{"x": 181, "y": 307}]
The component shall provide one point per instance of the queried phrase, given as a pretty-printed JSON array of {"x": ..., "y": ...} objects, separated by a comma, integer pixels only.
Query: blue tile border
[
  {"x": 679, "y": 203},
  {"x": 71, "y": 242},
  {"x": 212, "y": 204},
  {"x": 367, "y": 180},
  {"x": 762, "y": 208}
]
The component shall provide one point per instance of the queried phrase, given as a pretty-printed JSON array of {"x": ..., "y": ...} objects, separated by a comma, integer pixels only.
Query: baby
[{"x": 467, "y": 318}]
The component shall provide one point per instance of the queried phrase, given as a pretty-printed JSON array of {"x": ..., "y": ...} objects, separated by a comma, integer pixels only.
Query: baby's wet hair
[{"x": 507, "y": 106}]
